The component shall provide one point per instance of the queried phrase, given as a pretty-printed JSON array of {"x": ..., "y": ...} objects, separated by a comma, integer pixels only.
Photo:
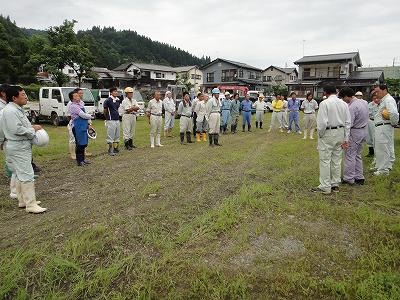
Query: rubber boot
[
  {"x": 116, "y": 150},
  {"x": 232, "y": 128},
  {"x": 29, "y": 198},
  {"x": 305, "y": 134},
  {"x": 210, "y": 139},
  {"x": 110, "y": 149},
  {"x": 189, "y": 137},
  {"x": 249, "y": 128},
  {"x": 256, "y": 124},
  {"x": 13, "y": 186},
  {"x": 311, "y": 134},
  {"x": 216, "y": 140},
  {"x": 243, "y": 128},
  {"x": 127, "y": 146},
  {"x": 235, "y": 128},
  {"x": 21, "y": 203},
  {"x": 198, "y": 137},
  {"x": 204, "y": 137},
  {"x": 72, "y": 151},
  {"x": 182, "y": 136},
  {"x": 158, "y": 141},
  {"x": 166, "y": 133},
  {"x": 151, "y": 141},
  {"x": 261, "y": 125}
]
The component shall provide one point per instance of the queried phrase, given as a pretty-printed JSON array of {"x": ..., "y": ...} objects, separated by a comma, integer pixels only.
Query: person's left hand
[{"x": 345, "y": 145}]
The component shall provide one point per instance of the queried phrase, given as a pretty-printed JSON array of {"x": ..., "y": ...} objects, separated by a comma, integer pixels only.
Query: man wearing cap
[
  {"x": 385, "y": 119},
  {"x": 235, "y": 112},
  {"x": 226, "y": 111},
  {"x": 333, "y": 126},
  {"x": 372, "y": 108},
  {"x": 111, "y": 114},
  {"x": 246, "y": 112},
  {"x": 309, "y": 107},
  {"x": 259, "y": 105},
  {"x": 293, "y": 107},
  {"x": 169, "y": 114},
  {"x": 154, "y": 114},
  {"x": 214, "y": 117},
  {"x": 129, "y": 109},
  {"x": 277, "y": 114},
  {"x": 19, "y": 133},
  {"x": 353, "y": 164}
]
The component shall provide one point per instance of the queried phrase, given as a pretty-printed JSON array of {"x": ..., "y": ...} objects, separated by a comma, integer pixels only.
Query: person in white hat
[
  {"x": 359, "y": 95},
  {"x": 19, "y": 133},
  {"x": 214, "y": 117},
  {"x": 259, "y": 105},
  {"x": 154, "y": 114},
  {"x": 226, "y": 112},
  {"x": 169, "y": 114},
  {"x": 129, "y": 109},
  {"x": 385, "y": 119}
]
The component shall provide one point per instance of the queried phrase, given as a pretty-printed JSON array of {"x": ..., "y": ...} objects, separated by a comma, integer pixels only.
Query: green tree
[
  {"x": 280, "y": 89},
  {"x": 393, "y": 86}
]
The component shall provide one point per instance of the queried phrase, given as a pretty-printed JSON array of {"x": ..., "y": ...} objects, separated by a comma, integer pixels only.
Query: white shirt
[
  {"x": 309, "y": 106},
  {"x": 127, "y": 104},
  {"x": 154, "y": 107},
  {"x": 201, "y": 110},
  {"x": 259, "y": 105},
  {"x": 169, "y": 104},
  {"x": 388, "y": 103},
  {"x": 333, "y": 112}
]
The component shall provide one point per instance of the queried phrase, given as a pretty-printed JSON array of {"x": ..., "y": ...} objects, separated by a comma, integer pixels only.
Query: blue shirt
[
  {"x": 293, "y": 104},
  {"x": 112, "y": 108},
  {"x": 246, "y": 105},
  {"x": 226, "y": 104}
]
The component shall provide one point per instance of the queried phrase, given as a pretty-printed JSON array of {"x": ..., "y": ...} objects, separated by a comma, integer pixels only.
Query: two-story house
[
  {"x": 336, "y": 69},
  {"x": 149, "y": 75},
  {"x": 231, "y": 76},
  {"x": 191, "y": 74},
  {"x": 279, "y": 76}
]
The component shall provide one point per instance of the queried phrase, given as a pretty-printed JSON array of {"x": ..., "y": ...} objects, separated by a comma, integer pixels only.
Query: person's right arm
[{"x": 106, "y": 111}]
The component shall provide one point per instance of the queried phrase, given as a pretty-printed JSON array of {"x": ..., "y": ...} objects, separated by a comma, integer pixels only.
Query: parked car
[
  {"x": 102, "y": 95},
  {"x": 52, "y": 104}
]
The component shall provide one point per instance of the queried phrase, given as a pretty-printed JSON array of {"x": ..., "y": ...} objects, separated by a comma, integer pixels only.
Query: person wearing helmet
[
  {"x": 385, "y": 119},
  {"x": 226, "y": 112},
  {"x": 214, "y": 117},
  {"x": 19, "y": 134},
  {"x": 80, "y": 124},
  {"x": 129, "y": 109},
  {"x": 111, "y": 114},
  {"x": 185, "y": 121},
  {"x": 245, "y": 106},
  {"x": 372, "y": 108},
  {"x": 169, "y": 115},
  {"x": 154, "y": 114},
  {"x": 202, "y": 118},
  {"x": 259, "y": 105},
  {"x": 353, "y": 164},
  {"x": 235, "y": 112}
]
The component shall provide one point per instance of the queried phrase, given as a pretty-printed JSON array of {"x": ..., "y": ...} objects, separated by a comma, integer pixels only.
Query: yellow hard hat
[
  {"x": 128, "y": 90},
  {"x": 386, "y": 114}
]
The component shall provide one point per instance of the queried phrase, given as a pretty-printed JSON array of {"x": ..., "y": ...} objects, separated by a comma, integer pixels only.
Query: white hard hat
[
  {"x": 92, "y": 133},
  {"x": 227, "y": 94},
  {"x": 41, "y": 138},
  {"x": 129, "y": 90}
]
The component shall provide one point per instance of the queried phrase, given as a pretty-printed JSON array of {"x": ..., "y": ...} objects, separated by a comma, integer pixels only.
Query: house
[
  {"x": 341, "y": 69},
  {"x": 109, "y": 78},
  {"x": 191, "y": 74},
  {"x": 275, "y": 75},
  {"x": 392, "y": 72},
  {"x": 231, "y": 76},
  {"x": 149, "y": 75}
]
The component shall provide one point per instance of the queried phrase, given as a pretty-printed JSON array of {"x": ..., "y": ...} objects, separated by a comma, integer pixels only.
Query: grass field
[{"x": 230, "y": 222}]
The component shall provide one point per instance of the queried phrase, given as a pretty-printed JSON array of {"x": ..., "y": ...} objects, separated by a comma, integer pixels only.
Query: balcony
[
  {"x": 307, "y": 75},
  {"x": 228, "y": 79}
]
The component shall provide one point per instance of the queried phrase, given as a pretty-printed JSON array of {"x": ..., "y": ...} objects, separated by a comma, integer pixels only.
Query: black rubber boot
[
  {"x": 260, "y": 125},
  {"x": 127, "y": 147},
  {"x": 189, "y": 137},
  {"x": 244, "y": 127},
  {"x": 216, "y": 140},
  {"x": 232, "y": 128},
  {"x": 182, "y": 136},
  {"x": 256, "y": 124},
  {"x": 371, "y": 152},
  {"x": 110, "y": 149},
  {"x": 210, "y": 139},
  {"x": 131, "y": 144},
  {"x": 249, "y": 128}
]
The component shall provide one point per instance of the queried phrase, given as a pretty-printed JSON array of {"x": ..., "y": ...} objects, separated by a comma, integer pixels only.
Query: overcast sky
[{"x": 260, "y": 33}]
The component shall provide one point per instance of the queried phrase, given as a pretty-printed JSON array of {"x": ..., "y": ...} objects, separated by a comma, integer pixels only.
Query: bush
[{"x": 32, "y": 91}]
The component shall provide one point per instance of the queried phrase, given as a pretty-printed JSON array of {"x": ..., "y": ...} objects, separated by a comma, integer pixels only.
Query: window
[
  {"x": 45, "y": 93},
  {"x": 251, "y": 75},
  {"x": 56, "y": 94},
  {"x": 258, "y": 75},
  {"x": 71, "y": 71},
  {"x": 192, "y": 76},
  {"x": 228, "y": 75},
  {"x": 307, "y": 72},
  {"x": 264, "y": 78},
  {"x": 240, "y": 73},
  {"x": 210, "y": 77},
  {"x": 269, "y": 78},
  {"x": 158, "y": 75},
  {"x": 198, "y": 77}
]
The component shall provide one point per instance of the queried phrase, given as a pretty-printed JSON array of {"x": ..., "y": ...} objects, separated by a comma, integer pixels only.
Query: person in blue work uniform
[
  {"x": 19, "y": 134},
  {"x": 293, "y": 107},
  {"x": 80, "y": 124},
  {"x": 226, "y": 112},
  {"x": 245, "y": 106}
]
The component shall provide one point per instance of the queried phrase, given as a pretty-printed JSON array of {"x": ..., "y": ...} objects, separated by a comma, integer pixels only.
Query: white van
[{"x": 53, "y": 104}]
